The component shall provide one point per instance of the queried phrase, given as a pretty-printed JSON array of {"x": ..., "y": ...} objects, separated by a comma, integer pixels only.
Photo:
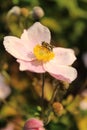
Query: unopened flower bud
[
  {"x": 37, "y": 12},
  {"x": 84, "y": 58},
  {"x": 24, "y": 12},
  {"x": 15, "y": 10},
  {"x": 83, "y": 104},
  {"x": 34, "y": 124},
  {"x": 58, "y": 108},
  {"x": 84, "y": 93}
]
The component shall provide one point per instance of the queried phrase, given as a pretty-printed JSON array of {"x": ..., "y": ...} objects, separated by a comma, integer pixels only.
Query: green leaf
[{"x": 57, "y": 126}]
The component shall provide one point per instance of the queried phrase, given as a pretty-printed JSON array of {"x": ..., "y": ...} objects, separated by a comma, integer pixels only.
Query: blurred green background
[{"x": 67, "y": 21}]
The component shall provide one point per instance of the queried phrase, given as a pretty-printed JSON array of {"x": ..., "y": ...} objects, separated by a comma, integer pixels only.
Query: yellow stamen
[{"x": 42, "y": 53}]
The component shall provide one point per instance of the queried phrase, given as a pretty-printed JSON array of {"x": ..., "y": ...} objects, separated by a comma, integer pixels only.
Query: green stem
[
  {"x": 53, "y": 95},
  {"x": 50, "y": 104},
  {"x": 42, "y": 98}
]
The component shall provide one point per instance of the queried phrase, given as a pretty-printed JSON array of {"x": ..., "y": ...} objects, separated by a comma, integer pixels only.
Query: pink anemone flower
[
  {"x": 35, "y": 53},
  {"x": 34, "y": 124},
  {"x": 9, "y": 126},
  {"x": 5, "y": 90}
]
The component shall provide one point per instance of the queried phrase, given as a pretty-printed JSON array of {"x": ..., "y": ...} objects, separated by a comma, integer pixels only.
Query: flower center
[{"x": 43, "y": 52}]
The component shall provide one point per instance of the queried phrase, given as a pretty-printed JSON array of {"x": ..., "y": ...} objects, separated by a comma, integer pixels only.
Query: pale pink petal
[
  {"x": 5, "y": 90},
  {"x": 14, "y": 46},
  {"x": 34, "y": 124},
  {"x": 37, "y": 33},
  {"x": 26, "y": 41},
  {"x": 33, "y": 66},
  {"x": 61, "y": 72},
  {"x": 60, "y": 77},
  {"x": 64, "y": 56}
]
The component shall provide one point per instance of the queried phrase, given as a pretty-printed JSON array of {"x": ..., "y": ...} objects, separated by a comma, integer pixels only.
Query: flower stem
[
  {"x": 42, "y": 98},
  {"x": 50, "y": 104},
  {"x": 53, "y": 95}
]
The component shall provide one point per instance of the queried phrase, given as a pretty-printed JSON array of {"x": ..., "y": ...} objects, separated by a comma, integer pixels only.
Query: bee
[{"x": 48, "y": 46}]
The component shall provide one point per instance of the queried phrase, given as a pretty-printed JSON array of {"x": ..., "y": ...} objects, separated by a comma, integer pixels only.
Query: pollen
[{"x": 42, "y": 53}]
